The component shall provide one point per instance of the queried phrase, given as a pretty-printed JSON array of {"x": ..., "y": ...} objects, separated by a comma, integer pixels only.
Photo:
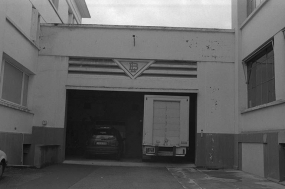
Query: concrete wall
[
  {"x": 256, "y": 146},
  {"x": 20, "y": 14},
  {"x": 16, "y": 43},
  {"x": 214, "y": 150},
  {"x": 215, "y": 98},
  {"x": 264, "y": 24},
  {"x": 49, "y": 95},
  {"x": 49, "y": 14},
  {"x": 267, "y": 118},
  {"x": 253, "y": 158},
  {"x": 14, "y": 35},
  {"x": 270, "y": 159},
  {"x": 212, "y": 49},
  {"x": 14, "y": 120},
  {"x": 16, "y": 16},
  {"x": 155, "y": 43}
]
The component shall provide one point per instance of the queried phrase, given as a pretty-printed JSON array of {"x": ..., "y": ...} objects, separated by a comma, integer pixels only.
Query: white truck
[{"x": 165, "y": 126}]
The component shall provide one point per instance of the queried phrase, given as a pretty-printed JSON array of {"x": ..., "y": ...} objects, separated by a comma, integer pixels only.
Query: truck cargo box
[{"x": 165, "y": 126}]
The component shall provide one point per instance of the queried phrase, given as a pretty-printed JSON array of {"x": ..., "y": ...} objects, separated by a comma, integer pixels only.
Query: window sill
[
  {"x": 252, "y": 14},
  {"x": 14, "y": 106},
  {"x": 274, "y": 103}
]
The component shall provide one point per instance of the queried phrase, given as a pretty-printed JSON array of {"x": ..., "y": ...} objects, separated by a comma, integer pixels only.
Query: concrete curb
[{"x": 126, "y": 164}]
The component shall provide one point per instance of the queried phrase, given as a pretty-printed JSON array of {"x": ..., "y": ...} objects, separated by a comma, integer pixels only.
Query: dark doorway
[{"x": 87, "y": 109}]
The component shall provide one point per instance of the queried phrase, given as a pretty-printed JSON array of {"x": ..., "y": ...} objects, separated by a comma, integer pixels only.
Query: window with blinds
[
  {"x": 14, "y": 86},
  {"x": 261, "y": 77}
]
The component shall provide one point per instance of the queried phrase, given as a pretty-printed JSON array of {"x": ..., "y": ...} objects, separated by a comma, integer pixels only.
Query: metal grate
[
  {"x": 165, "y": 149},
  {"x": 99, "y": 66},
  {"x": 178, "y": 69},
  {"x": 94, "y": 67}
]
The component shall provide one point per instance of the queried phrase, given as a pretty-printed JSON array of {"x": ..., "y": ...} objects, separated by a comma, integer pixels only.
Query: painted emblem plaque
[{"x": 133, "y": 68}]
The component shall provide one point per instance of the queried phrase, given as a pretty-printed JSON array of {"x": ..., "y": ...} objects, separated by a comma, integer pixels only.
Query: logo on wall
[{"x": 133, "y": 68}]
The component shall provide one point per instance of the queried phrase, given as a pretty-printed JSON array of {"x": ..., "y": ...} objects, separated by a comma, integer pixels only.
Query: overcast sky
[{"x": 173, "y": 13}]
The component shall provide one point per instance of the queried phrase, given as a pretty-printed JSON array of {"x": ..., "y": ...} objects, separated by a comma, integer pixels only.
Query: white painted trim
[
  {"x": 256, "y": 51},
  {"x": 207, "y": 30},
  {"x": 14, "y": 106},
  {"x": 16, "y": 64},
  {"x": 100, "y": 88},
  {"x": 274, "y": 103},
  {"x": 262, "y": 131}
]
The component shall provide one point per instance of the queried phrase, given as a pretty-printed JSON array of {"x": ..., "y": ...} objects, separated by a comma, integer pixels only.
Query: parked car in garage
[
  {"x": 105, "y": 141},
  {"x": 3, "y": 162}
]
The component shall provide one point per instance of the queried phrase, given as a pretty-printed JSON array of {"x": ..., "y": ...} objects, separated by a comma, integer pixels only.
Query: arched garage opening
[{"x": 88, "y": 109}]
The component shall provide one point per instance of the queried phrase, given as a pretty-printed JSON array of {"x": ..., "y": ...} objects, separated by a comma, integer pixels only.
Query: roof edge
[{"x": 142, "y": 27}]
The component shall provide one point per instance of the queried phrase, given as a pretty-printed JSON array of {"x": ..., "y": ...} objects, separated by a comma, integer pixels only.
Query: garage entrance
[{"x": 88, "y": 109}]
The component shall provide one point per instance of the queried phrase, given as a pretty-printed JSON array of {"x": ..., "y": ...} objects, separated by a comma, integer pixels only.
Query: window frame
[
  {"x": 265, "y": 85},
  {"x": 252, "y": 5},
  {"x": 24, "y": 84}
]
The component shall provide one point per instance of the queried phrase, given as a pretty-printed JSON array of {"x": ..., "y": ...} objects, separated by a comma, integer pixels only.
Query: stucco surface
[
  {"x": 13, "y": 120},
  {"x": 48, "y": 13},
  {"x": 253, "y": 159},
  {"x": 19, "y": 48},
  {"x": 118, "y": 42},
  {"x": 49, "y": 96},
  {"x": 268, "y": 118},
  {"x": 262, "y": 26},
  {"x": 20, "y": 14},
  {"x": 215, "y": 98},
  {"x": 214, "y": 51}
]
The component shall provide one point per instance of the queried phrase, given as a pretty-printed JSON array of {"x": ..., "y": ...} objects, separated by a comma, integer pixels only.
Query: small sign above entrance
[{"x": 133, "y": 68}]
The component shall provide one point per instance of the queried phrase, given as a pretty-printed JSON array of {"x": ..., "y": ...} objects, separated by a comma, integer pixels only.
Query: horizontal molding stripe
[{"x": 101, "y": 66}]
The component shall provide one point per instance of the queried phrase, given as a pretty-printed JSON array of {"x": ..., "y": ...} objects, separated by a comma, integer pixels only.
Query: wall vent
[
  {"x": 94, "y": 67},
  {"x": 177, "y": 69},
  {"x": 160, "y": 68}
]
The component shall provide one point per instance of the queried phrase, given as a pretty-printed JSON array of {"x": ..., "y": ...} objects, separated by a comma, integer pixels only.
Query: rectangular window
[
  {"x": 14, "y": 86},
  {"x": 252, "y": 4},
  {"x": 261, "y": 77}
]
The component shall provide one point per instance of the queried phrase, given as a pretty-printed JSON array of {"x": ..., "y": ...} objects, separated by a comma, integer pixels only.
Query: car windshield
[{"x": 104, "y": 134}]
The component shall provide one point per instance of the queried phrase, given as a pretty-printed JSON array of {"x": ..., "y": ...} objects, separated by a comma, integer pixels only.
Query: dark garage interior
[{"x": 87, "y": 109}]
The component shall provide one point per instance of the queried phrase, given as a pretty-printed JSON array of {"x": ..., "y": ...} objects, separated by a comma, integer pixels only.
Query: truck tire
[{"x": 2, "y": 167}]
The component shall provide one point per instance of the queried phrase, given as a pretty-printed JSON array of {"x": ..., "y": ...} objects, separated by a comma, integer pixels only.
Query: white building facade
[
  {"x": 19, "y": 48},
  {"x": 259, "y": 81},
  {"x": 68, "y": 78}
]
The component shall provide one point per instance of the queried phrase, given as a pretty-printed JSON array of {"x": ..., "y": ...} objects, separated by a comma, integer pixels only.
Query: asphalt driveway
[{"x": 74, "y": 176}]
